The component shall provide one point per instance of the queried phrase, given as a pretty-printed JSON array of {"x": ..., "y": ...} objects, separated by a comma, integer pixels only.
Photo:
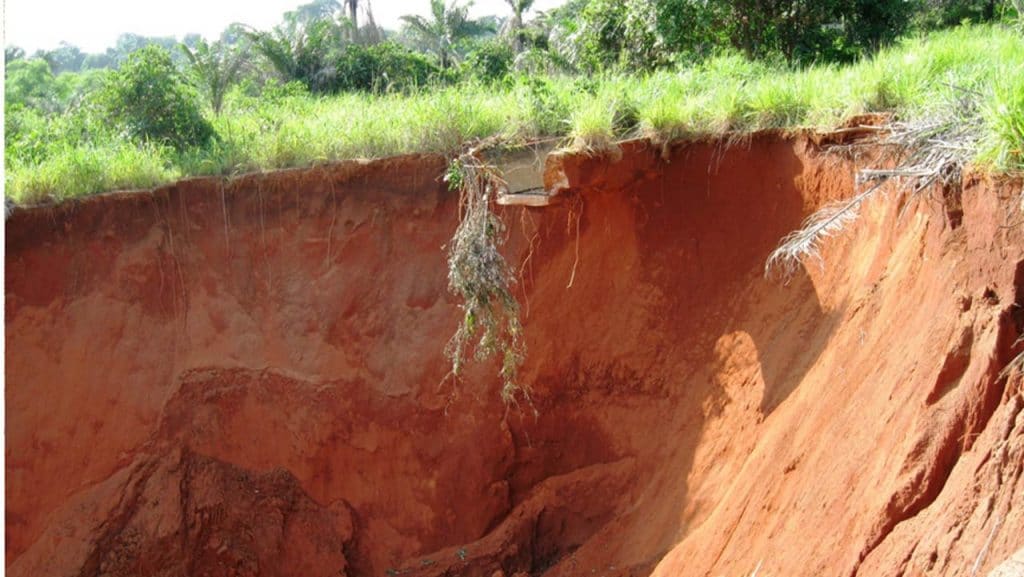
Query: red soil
[{"x": 248, "y": 379}]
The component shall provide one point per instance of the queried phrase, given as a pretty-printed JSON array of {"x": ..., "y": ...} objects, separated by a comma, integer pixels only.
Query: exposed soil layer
[{"x": 247, "y": 378}]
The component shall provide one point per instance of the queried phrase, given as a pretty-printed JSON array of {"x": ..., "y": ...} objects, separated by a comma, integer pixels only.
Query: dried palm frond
[
  {"x": 931, "y": 150},
  {"x": 1015, "y": 366},
  {"x": 935, "y": 149},
  {"x": 805, "y": 242}
]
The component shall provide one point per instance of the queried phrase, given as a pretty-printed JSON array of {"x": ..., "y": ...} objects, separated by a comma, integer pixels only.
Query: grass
[
  {"x": 725, "y": 94},
  {"x": 82, "y": 170}
]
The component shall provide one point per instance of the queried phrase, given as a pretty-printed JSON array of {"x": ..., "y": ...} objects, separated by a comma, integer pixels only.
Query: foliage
[
  {"x": 151, "y": 100},
  {"x": 692, "y": 29},
  {"x": 305, "y": 46},
  {"x": 12, "y": 53},
  {"x": 65, "y": 58},
  {"x": 214, "y": 67},
  {"x": 97, "y": 61},
  {"x": 381, "y": 68},
  {"x": 30, "y": 83},
  {"x": 799, "y": 31},
  {"x": 614, "y": 32},
  {"x": 490, "y": 61},
  {"x": 936, "y": 14},
  {"x": 446, "y": 28},
  {"x": 513, "y": 29},
  {"x": 637, "y": 34}
]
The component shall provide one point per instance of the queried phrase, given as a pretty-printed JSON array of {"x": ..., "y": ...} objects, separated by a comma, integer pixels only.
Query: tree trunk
[{"x": 353, "y": 6}]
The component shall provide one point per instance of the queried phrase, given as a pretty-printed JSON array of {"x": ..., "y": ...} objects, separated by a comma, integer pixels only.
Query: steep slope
[{"x": 247, "y": 378}]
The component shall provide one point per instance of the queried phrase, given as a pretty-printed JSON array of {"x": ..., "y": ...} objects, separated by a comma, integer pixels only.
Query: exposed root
[
  {"x": 532, "y": 238},
  {"x": 984, "y": 550},
  {"x": 479, "y": 274},
  {"x": 263, "y": 236},
  {"x": 224, "y": 209},
  {"x": 575, "y": 209},
  {"x": 330, "y": 230}
]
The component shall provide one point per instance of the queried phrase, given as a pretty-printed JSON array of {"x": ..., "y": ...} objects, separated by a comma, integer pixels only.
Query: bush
[
  {"x": 381, "y": 68},
  {"x": 935, "y": 14},
  {"x": 30, "y": 83},
  {"x": 150, "y": 100},
  {"x": 618, "y": 33},
  {"x": 490, "y": 62},
  {"x": 802, "y": 32}
]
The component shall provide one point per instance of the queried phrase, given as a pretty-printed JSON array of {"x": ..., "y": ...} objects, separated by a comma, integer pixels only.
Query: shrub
[
  {"x": 490, "y": 62},
  {"x": 802, "y": 32},
  {"x": 381, "y": 68},
  {"x": 936, "y": 14},
  {"x": 30, "y": 83},
  {"x": 150, "y": 100},
  {"x": 613, "y": 33}
]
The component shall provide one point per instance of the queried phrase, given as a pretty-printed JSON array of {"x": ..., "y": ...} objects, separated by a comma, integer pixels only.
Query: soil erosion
[{"x": 248, "y": 377}]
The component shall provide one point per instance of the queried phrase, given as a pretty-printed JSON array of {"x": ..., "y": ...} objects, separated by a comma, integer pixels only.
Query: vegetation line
[{"x": 323, "y": 86}]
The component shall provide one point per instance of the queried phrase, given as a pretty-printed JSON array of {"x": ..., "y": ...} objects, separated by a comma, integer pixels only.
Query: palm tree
[
  {"x": 446, "y": 27},
  {"x": 353, "y": 7},
  {"x": 303, "y": 47},
  {"x": 514, "y": 26},
  {"x": 216, "y": 67}
]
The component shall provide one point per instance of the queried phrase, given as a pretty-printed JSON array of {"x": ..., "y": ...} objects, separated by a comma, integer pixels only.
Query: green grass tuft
[{"x": 1003, "y": 144}]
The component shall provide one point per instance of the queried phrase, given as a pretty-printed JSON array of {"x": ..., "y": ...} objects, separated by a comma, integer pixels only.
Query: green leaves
[
  {"x": 305, "y": 47},
  {"x": 383, "y": 68},
  {"x": 215, "y": 68},
  {"x": 448, "y": 26},
  {"x": 149, "y": 98}
]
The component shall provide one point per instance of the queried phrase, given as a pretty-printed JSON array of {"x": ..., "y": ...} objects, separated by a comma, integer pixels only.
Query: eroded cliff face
[{"x": 247, "y": 378}]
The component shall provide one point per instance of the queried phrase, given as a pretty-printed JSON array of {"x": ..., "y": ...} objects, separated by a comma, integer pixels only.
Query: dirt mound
[{"x": 248, "y": 378}]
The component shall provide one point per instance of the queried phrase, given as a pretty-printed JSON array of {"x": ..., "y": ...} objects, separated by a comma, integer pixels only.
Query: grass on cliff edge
[{"x": 727, "y": 94}]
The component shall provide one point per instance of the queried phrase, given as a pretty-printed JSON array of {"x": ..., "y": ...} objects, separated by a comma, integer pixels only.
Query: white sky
[{"x": 94, "y": 25}]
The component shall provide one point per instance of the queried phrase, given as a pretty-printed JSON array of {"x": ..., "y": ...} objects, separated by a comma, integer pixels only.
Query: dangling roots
[{"x": 480, "y": 276}]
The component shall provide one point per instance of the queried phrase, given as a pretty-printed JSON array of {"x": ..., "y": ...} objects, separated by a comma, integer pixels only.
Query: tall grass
[
  {"x": 727, "y": 93},
  {"x": 87, "y": 169},
  {"x": 1003, "y": 144}
]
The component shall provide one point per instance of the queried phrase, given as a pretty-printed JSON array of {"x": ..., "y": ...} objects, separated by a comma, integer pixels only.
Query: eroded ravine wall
[{"x": 248, "y": 378}]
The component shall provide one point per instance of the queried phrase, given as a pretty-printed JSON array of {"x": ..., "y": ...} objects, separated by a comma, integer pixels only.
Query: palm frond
[
  {"x": 933, "y": 149},
  {"x": 806, "y": 242},
  {"x": 1016, "y": 365}
]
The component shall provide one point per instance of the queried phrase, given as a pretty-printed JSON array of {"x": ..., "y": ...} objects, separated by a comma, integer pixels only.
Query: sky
[{"x": 94, "y": 25}]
